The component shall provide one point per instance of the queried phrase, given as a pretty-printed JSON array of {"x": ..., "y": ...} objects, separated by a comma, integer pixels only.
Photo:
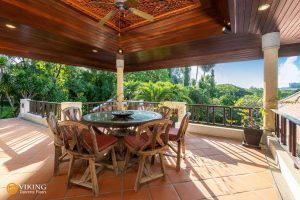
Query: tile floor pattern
[{"x": 215, "y": 168}]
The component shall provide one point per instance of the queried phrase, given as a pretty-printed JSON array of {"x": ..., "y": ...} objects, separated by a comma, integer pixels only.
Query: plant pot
[{"x": 252, "y": 137}]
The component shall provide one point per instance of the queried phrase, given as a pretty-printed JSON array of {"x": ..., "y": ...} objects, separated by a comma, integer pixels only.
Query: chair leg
[
  {"x": 162, "y": 165},
  {"x": 71, "y": 170},
  {"x": 127, "y": 156},
  {"x": 94, "y": 177},
  {"x": 57, "y": 155},
  {"x": 152, "y": 159},
  {"x": 183, "y": 148},
  {"x": 140, "y": 173},
  {"x": 114, "y": 160},
  {"x": 178, "y": 155}
]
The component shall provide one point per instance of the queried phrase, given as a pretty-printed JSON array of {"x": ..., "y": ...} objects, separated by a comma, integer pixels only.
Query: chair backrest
[
  {"x": 156, "y": 133},
  {"x": 147, "y": 106},
  {"x": 72, "y": 113},
  {"x": 184, "y": 125},
  {"x": 165, "y": 112},
  {"x": 53, "y": 125},
  {"x": 75, "y": 136}
]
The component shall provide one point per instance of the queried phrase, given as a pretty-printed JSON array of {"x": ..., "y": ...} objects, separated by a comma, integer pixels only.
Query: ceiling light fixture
[
  {"x": 263, "y": 7},
  {"x": 120, "y": 51},
  {"x": 94, "y": 50},
  {"x": 10, "y": 26},
  {"x": 226, "y": 30}
]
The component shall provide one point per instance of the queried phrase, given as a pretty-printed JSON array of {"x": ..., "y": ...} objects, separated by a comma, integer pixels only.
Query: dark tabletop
[{"x": 106, "y": 119}]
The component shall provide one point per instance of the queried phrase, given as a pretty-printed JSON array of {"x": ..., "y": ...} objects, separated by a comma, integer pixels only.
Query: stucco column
[
  {"x": 270, "y": 46},
  {"x": 120, "y": 92},
  {"x": 24, "y": 107}
]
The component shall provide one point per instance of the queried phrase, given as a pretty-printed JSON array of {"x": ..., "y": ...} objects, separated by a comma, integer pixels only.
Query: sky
[{"x": 250, "y": 73}]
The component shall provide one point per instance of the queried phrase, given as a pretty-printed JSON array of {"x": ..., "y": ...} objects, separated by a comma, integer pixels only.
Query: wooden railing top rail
[
  {"x": 131, "y": 101},
  {"x": 221, "y": 106},
  {"x": 45, "y": 102},
  {"x": 287, "y": 116}
]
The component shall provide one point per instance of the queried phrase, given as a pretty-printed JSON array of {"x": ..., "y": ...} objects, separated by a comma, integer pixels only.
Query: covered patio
[
  {"x": 215, "y": 168},
  {"x": 181, "y": 33}
]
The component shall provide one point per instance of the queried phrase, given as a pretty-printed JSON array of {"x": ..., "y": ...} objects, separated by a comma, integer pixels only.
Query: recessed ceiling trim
[{"x": 79, "y": 6}]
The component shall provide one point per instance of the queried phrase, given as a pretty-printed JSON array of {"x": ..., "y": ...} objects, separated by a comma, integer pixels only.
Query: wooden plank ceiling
[{"x": 184, "y": 32}]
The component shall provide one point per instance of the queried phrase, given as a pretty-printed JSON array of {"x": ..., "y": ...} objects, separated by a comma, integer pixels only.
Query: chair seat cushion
[
  {"x": 103, "y": 141},
  {"x": 173, "y": 134},
  {"x": 135, "y": 142}
]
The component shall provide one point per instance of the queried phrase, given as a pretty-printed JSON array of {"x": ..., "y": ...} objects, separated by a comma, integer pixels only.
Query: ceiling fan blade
[
  {"x": 107, "y": 17},
  {"x": 141, "y": 14}
]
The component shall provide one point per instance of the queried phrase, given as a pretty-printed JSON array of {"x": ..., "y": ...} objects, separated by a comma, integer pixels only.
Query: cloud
[{"x": 288, "y": 72}]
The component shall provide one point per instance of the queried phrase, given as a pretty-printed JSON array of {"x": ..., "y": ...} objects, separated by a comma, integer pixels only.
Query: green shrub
[{"x": 7, "y": 112}]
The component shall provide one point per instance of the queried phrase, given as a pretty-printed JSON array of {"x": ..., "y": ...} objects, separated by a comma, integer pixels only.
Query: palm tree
[
  {"x": 161, "y": 91},
  {"x": 197, "y": 73},
  {"x": 206, "y": 68}
]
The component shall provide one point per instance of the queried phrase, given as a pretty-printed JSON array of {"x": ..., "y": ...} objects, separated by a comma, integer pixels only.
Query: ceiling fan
[{"x": 124, "y": 5}]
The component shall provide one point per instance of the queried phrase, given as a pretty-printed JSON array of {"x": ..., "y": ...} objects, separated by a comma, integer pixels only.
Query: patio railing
[
  {"x": 214, "y": 115},
  {"x": 43, "y": 108},
  {"x": 228, "y": 116},
  {"x": 286, "y": 132},
  {"x": 90, "y": 107}
]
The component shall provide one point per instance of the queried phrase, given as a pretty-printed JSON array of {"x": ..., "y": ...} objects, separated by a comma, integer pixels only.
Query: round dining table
[{"x": 122, "y": 124}]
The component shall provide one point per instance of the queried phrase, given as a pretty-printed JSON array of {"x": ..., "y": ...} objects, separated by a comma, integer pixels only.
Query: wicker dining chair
[
  {"x": 59, "y": 151},
  {"x": 165, "y": 112},
  {"x": 72, "y": 113},
  {"x": 178, "y": 136},
  {"x": 151, "y": 139},
  {"x": 90, "y": 147}
]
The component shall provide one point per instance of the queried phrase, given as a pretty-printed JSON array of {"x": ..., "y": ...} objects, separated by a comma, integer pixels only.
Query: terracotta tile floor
[{"x": 215, "y": 168}]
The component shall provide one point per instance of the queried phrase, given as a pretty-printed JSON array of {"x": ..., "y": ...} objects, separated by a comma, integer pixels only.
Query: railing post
[
  {"x": 24, "y": 107},
  {"x": 290, "y": 136},
  {"x": 294, "y": 139},
  {"x": 277, "y": 125},
  {"x": 283, "y": 130}
]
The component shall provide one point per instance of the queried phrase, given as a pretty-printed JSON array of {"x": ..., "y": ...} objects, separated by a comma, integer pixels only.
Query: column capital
[{"x": 271, "y": 40}]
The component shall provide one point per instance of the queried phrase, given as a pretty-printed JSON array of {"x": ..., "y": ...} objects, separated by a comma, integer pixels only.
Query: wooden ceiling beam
[
  {"x": 14, "y": 49},
  {"x": 57, "y": 18}
]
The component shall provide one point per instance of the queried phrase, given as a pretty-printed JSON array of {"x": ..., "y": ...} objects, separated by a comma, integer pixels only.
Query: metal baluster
[
  {"x": 213, "y": 114},
  {"x": 207, "y": 114},
  {"x": 230, "y": 116},
  {"x": 224, "y": 116}
]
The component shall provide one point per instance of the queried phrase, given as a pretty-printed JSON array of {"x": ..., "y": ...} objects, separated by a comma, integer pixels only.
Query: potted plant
[{"x": 252, "y": 130}]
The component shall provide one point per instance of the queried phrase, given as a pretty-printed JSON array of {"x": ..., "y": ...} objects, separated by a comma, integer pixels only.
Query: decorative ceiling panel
[{"x": 97, "y": 9}]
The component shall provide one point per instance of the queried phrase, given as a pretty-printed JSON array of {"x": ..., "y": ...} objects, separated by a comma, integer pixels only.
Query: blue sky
[{"x": 250, "y": 73}]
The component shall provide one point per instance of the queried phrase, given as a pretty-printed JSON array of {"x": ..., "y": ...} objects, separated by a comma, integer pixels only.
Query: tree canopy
[{"x": 46, "y": 81}]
